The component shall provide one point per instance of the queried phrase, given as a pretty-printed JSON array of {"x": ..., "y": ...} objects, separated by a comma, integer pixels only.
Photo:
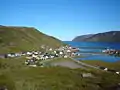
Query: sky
[{"x": 63, "y": 19}]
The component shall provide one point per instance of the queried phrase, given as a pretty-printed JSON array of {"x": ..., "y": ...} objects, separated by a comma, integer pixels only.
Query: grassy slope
[
  {"x": 113, "y": 65},
  {"x": 16, "y": 76},
  {"x": 14, "y": 39}
]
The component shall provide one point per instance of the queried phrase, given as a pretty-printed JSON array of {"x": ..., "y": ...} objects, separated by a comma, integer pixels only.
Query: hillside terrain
[
  {"x": 14, "y": 75},
  {"x": 112, "y": 36},
  {"x": 15, "y": 39}
]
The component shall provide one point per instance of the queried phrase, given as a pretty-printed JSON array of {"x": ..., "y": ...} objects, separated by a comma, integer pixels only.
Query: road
[
  {"x": 84, "y": 64},
  {"x": 79, "y": 62}
]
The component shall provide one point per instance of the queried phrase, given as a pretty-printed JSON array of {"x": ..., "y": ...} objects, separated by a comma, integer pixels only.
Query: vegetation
[
  {"x": 15, "y": 39},
  {"x": 16, "y": 76},
  {"x": 111, "y": 65}
]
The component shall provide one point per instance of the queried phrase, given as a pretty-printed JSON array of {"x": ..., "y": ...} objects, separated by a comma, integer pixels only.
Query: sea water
[{"x": 93, "y": 50}]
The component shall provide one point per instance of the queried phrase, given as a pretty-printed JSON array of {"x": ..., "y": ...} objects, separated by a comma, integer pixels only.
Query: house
[
  {"x": 33, "y": 65},
  {"x": 56, "y": 55},
  {"x": 34, "y": 56},
  {"x": 31, "y": 61},
  {"x": 55, "y": 52},
  {"x": 28, "y": 57},
  {"x": 43, "y": 46},
  {"x": 87, "y": 75},
  {"x": 51, "y": 56},
  {"x": 61, "y": 53},
  {"x": 23, "y": 53},
  {"x": 18, "y": 54},
  {"x": 36, "y": 53},
  {"x": 46, "y": 57},
  {"x": 29, "y": 53},
  {"x": 106, "y": 69},
  {"x": 26, "y": 62},
  {"x": 68, "y": 51},
  {"x": 11, "y": 55},
  {"x": 65, "y": 56},
  {"x": 117, "y": 72},
  {"x": 50, "y": 49}
]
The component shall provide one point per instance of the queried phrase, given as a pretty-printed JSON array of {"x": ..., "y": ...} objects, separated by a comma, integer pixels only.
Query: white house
[
  {"x": 29, "y": 53},
  {"x": 50, "y": 49},
  {"x": 55, "y": 52},
  {"x": 51, "y": 56},
  {"x": 117, "y": 72},
  {"x": 34, "y": 55},
  {"x": 46, "y": 57},
  {"x": 106, "y": 69},
  {"x": 61, "y": 53},
  {"x": 68, "y": 51},
  {"x": 87, "y": 75},
  {"x": 9, "y": 55},
  {"x": 65, "y": 56},
  {"x": 33, "y": 65},
  {"x": 28, "y": 57}
]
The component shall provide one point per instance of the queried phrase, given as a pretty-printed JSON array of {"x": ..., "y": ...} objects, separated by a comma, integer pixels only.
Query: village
[{"x": 35, "y": 58}]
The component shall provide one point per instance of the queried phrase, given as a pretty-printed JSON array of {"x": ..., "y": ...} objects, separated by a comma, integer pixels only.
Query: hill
[
  {"x": 112, "y": 36},
  {"x": 82, "y": 37},
  {"x": 15, "y": 39}
]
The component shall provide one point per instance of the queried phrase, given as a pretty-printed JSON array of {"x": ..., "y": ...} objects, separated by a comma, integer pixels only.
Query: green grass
[
  {"x": 15, "y": 39},
  {"x": 16, "y": 76},
  {"x": 111, "y": 65},
  {"x": 6, "y": 81}
]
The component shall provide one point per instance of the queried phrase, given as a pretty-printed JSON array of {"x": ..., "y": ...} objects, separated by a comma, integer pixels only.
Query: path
[
  {"x": 84, "y": 64},
  {"x": 81, "y": 64}
]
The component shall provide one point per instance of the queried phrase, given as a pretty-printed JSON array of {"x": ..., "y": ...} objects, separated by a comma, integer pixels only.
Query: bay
[{"x": 93, "y": 50}]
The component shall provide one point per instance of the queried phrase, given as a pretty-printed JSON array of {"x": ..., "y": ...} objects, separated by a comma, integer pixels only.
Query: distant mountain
[
  {"x": 15, "y": 39},
  {"x": 112, "y": 36},
  {"x": 82, "y": 37}
]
